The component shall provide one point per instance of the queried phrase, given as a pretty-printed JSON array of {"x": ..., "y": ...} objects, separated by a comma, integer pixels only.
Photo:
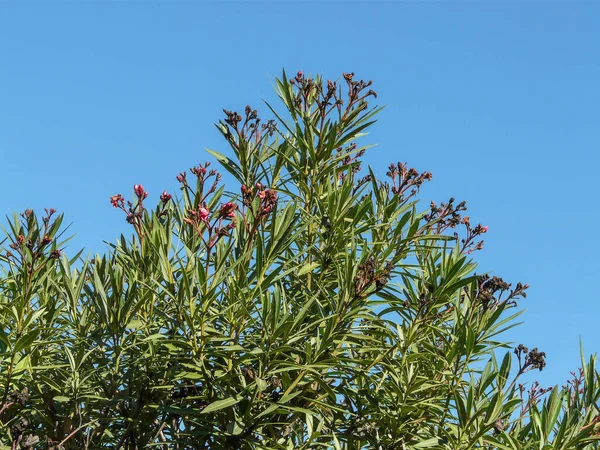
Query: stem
[
  {"x": 6, "y": 406},
  {"x": 74, "y": 432}
]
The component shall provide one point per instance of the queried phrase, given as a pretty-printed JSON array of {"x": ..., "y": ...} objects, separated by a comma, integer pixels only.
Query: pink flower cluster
[
  {"x": 140, "y": 192},
  {"x": 268, "y": 198},
  {"x": 117, "y": 201},
  {"x": 227, "y": 211},
  {"x": 135, "y": 212},
  {"x": 165, "y": 197}
]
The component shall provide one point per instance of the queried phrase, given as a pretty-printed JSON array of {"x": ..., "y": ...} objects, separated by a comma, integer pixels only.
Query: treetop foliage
[{"x": 309, "y": 305}]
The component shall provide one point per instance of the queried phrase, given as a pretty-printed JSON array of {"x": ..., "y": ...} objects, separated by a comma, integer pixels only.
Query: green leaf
[
  {"x": 222, "y": 404},
  {"x": 428, "y": 443},
  {"x": 261, "y": 384},
  {"x": 307, "y": 268},
  {"x": 229, "y": 165},
  {"x": 25, "y": 341}
]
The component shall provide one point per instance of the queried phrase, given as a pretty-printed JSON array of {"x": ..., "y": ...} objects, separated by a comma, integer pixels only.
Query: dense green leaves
[{"x": 309, "y": 305}]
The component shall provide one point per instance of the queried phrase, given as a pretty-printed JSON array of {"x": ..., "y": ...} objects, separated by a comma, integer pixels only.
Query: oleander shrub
[{"x": 307, "y": 303}]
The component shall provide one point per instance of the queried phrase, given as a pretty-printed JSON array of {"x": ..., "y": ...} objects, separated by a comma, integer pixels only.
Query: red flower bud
[
  {"x": 117, "y": 201},
  {"x": 139, "y": 191},
  {"x": 165, "y": 197},
  {"x": 227, "y": 210},
  {"x": 198, "y": 171},
  {"x": 203, "y": 214}
]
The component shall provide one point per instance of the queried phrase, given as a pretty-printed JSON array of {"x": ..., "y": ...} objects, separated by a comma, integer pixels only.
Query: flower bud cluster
[
  {"x": 33, "y": 245},
  {"x": 530, "y": 359},
  {"x": 491, "y": 292},
  {"x": 469, "y": 244},
  {"x": 203, "y": 175},
  {"x": 248, "y": 129},
  {"x": 351, "y": 162},
  {"x": 406, "y": 182},
  {"x": 208, "y": 225},
  {"x": 447, "y": 216},
  {"x": 536, "y": 392},
  {"x": 369, "y": 274},
  {"x": 268, "y": 198},
  {"x": 134, "y": 211},
  {"x": 329, "y": 96}
]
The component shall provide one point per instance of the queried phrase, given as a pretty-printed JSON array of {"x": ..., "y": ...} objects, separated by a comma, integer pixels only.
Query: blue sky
[{"x": 498, "y": 99}]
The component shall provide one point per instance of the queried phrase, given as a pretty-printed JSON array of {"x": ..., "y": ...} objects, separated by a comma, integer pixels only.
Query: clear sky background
[{"x": 500, "y": 100}]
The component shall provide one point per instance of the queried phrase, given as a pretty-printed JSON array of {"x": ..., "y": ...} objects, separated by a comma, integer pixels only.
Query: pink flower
[
  {"x": 227, "y": 210},
  {"x": 203, "y": 214},
  {"x": 165, "y": 197},
  {"x": 198, "y": 171},
  {"x": 117, "y": 201},
  {"x": 484, "y": 229},
  {"x": 139, "y": 191}
]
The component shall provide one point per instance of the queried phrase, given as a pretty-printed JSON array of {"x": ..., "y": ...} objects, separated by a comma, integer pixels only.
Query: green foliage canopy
[{"x": 312, "y": 306}]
